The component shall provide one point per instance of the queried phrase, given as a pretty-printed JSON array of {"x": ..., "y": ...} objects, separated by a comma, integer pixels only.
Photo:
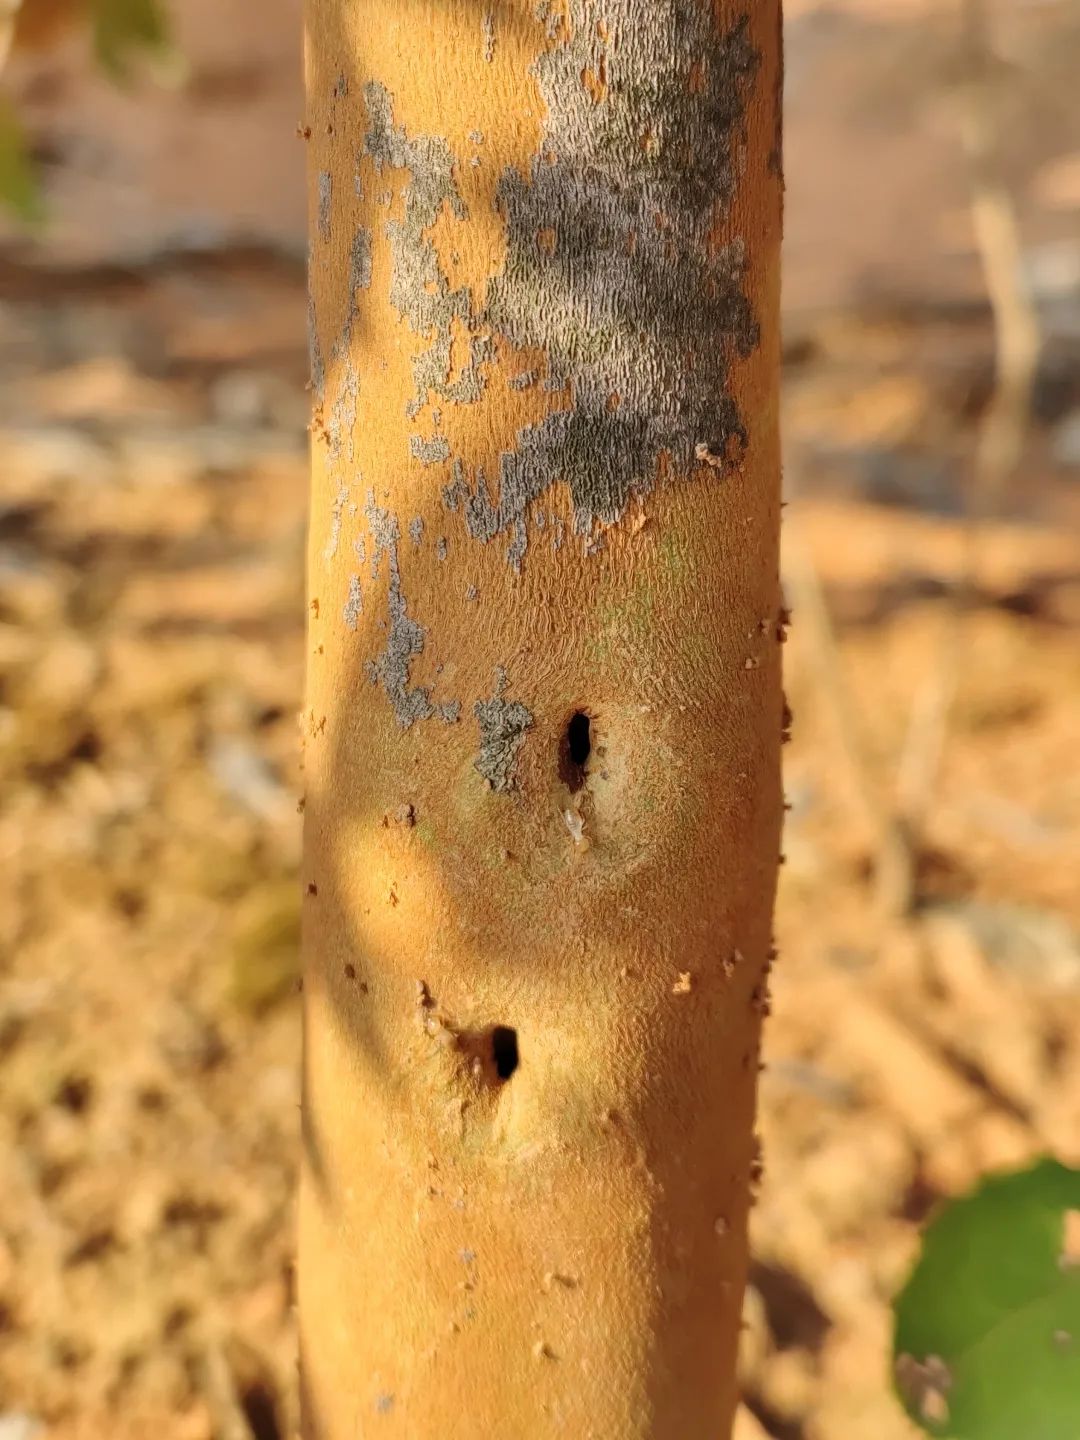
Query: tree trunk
[{"x": 544, "y": 710}]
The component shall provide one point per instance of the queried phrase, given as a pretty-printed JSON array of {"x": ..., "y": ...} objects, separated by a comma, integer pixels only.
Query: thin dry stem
[
  {"x": 894, "y": 869},
  {"x": 1004, "y": 426}
]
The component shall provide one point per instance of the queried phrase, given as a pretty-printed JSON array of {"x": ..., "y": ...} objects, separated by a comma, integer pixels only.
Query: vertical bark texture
[{"x": 544, "y": 713}]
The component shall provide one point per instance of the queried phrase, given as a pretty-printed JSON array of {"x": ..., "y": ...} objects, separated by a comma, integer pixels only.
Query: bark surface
[{"x": 544, "y": 710}]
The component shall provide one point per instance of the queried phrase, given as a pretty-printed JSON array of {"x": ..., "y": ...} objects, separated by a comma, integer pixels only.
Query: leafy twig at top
[
  {"x": 124, "y": 28},
  {"x": 123, "y": 31},
  {"x": 19, "y": 189}
]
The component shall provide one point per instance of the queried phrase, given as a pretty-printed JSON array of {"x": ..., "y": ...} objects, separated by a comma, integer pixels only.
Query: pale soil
[{"x": 151, "y": 657}]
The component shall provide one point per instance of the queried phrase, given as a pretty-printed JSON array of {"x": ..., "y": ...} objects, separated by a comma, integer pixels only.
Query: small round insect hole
[
  {"x": 504, "y": 1050},
  {"x": 575, "y": 750}
]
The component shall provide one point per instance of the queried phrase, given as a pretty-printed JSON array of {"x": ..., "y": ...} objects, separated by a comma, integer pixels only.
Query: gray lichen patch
[
  {"x": 612, "y": 268},
  {"x": 503, "y": 725},
  {"x": 487, "y": 36},
  {"x": 483, "y": 518},
  {"x": 341, "y": 423},
  {"x": 315, "y": 359},
  {"x": 360, "y": 260},
  {"x": 419, "y": 290},
  {"x": 316, "y": 366},
  {"x": 341, "y": 499},
  {"x": 431, "y": 451},
  {"x": 325, "y": 188},
  {"x": 384, "y": 532},
  {"x": 404, "y": 635},
  {"x": 354, "y": 604},
  {"x": 620, "y": 270}
]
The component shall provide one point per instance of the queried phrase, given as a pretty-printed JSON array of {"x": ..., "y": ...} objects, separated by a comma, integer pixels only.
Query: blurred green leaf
[
  {"x": 987, "y": 1337},
  {"x": 122, "y": 28},
  {"x": 19, "y": 188}
]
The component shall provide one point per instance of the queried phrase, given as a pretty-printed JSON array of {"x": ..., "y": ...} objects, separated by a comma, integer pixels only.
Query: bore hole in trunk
[
  {"x": 575, "y": 751},
  {"x": 504, "y": 1051}
]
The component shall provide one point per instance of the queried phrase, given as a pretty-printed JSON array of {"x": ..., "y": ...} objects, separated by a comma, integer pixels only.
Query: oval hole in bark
[
  {"x": 504, "y": 1051},
  {"x": 575, "y": 751}
]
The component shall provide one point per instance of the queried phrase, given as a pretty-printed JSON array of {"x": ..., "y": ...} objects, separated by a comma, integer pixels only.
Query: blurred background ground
[{"x": 152, "y": 493}]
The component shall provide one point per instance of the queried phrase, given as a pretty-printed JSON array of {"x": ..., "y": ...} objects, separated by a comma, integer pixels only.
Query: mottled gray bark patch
[
  {"x": 613, "y": 268},
  {"x": 360, "y": 261},
  {"x": 316, "y": 366},
  {"x": 487, "y": 36},
  {"x": 416, "y": 529},
  {"x": 483, "y": 518},
  {"x": 610, "y": 265},
  {"x": 354, "y": 604},
  {"x": 384, "y": 532},
  {"x": 431, "y": 451},
  {"x": 442, "y": 548},
  {"x": 551, "y": 16},
  {"x": 325, "y": 185},
  {"x": 315, "y": 359},
  {"x": 341, "y": 422},
  {"x": 343, "y": 414},
  {"x": 419, "y": 290},
  {"x": 405, "y": 637},
  {"x": 336, "y": 511},
  {"x": 503, "y": 725}
]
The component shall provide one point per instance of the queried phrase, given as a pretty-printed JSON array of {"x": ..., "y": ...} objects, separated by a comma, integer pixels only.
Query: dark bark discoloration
[{"x": 611, "y": 266}]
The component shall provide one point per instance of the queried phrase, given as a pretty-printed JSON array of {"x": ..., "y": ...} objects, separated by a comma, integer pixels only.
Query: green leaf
[
  {"x": 987, "y": 1337},
  {"x": 122, "y": 28},
  {"x": 19, "y": 189}
]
